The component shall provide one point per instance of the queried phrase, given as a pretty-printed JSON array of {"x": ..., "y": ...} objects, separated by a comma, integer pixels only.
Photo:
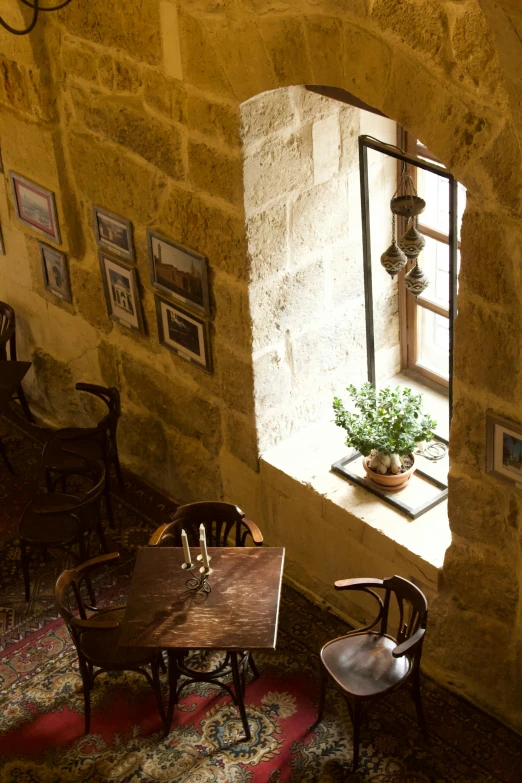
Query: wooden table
[
  {"x": 11, "y": 375},
  {"x": 239, "y": 614}
]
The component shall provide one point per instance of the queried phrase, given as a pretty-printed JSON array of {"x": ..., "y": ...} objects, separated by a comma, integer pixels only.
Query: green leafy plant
[{"x": 388, "y": 421}]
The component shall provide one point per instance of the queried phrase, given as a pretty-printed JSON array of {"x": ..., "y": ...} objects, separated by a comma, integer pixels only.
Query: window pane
[
  {"x": 435, "y": 192},
  {"x": 434, "y": 260},
  {"x": 433, "y": 342}
]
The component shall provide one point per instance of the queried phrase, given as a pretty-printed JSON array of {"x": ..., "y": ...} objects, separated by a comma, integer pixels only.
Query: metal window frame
[{"x": 366, "y": 143}]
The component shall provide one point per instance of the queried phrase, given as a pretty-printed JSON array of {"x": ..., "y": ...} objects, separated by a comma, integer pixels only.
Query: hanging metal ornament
[
  {"x": 416, "y": 281},
  {"x": 405, "y": 201},
  {"x": 393, "y": 259},
  {"x": 412, "y": 241}
]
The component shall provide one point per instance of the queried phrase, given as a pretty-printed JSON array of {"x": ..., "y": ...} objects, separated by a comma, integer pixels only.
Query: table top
[
  {"x": 11, "y": 376},
  {"x": 240, "y": 613}
]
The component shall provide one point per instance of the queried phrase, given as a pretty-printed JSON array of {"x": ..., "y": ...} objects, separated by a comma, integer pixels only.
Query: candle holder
[{"x": 198, "y": 582}]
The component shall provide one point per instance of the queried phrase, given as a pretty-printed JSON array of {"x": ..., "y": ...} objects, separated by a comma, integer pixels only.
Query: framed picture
[
  {"x": 35, "y": 207},
  {"x": 120, "y": 284},
  {"x": 113, "y": 233},
  {"x": 504, "y": 449},
  {"x": 183, "y": 333},
  {"x": 55, "y": 272},
  {"x": 178, "y": 272}
]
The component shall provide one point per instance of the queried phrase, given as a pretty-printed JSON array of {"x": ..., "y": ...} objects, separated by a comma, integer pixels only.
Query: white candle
[
  {"x": 203, "y": 546},
  {"x": 186, "y": 550}
]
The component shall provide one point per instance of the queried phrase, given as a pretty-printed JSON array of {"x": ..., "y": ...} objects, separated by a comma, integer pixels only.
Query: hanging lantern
[
  {"x": 393, "y": 259},
  {"x": 416, "y": 281},
  {"x": 405, "y": 201},
  {"x": 411, "y": 242}
]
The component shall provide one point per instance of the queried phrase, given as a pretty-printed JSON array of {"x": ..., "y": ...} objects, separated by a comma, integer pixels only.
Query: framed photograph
[
  {"x": 120, "y": 284},
  {"x": 504, "y": 449},
  {"x": 183, "y": 333},
  {"x": 113, "y": 233},
  {"x": 55, "y": 272},
  {"x": 35, "y": 207},
  {"x": 178, "y": 272}
]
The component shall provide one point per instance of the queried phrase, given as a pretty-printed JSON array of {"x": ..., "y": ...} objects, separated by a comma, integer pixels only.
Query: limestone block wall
[
  {"x": 303, "y": 218},
  {"x": 137, "y": 109}
]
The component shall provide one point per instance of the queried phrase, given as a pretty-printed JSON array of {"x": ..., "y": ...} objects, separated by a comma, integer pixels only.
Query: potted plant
[{"x": 385, "y": 430}]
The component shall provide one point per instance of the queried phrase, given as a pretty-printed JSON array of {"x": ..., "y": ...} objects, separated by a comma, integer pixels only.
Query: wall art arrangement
[
  {"x": 178, "y": 272},
  {"x": 183, "y": 333},
  {"x": 504, "y": 449},
  {"x": 120, "y": 285},
  {"x": 55, "y": 272},
  {"x": 113, "y": 233},
  {"x": 35, "y": 207}
]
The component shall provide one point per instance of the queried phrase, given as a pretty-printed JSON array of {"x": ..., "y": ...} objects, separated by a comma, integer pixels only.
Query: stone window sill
[{"x": 300, "y": 466}]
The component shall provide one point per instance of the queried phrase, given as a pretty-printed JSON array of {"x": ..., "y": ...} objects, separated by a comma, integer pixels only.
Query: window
[{"x": 425, "y": 320}]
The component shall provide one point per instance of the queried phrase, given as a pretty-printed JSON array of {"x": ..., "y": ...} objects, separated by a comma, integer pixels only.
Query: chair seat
[
  {"x": 56, "y": 457},
  {"x": 58, "y": 528},
  {"x": 100, "y": 646},
  {"x": 363, "y": 665}
]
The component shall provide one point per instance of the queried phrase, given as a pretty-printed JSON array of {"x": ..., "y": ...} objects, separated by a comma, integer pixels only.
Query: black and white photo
[
  {"x": 55, "y": 272},
  {"x": 120, "y": 284},
  {"x": 113, "y": 233},
  {"x": 179, "y": 272},
  {"x": 183, "y": 333}
]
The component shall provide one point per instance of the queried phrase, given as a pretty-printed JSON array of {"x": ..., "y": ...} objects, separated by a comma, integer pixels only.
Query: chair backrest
[
  {"x": 220, "y": 519},
  {"x": 7, "y": 331},
  {"x": 111, "y": 397},
  {"x": 78, "y": 505},
  {"x": 408, "y": 599},
  {"x": 68, "y": 595}
]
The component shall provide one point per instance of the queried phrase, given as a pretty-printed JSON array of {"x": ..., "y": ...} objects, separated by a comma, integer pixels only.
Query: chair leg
[
  {"x": 108, "y": 504},
  {"x": 356, "y": 720},
  {"x": 173, "y": 683},
  {"x": 253, "y": 666},
  {"x": 5, "y": 458},
  {"x": 117, "y": 470},
  {"x": 25, "y": 407},
  {"x": 322, "y": 699},
  {"x": 25, "y": 570},
  {"x": 157, "y": 689},
  {"x": 239, "y": 694},
  {"x": 87, "y": 684},
  {"x": 416, "y": 695}
]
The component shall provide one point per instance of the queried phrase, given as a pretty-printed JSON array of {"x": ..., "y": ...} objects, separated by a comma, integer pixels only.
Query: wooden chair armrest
[
  {"x": 91, "y": 625},
  {"x": 409, "y": 645},
  {"x": 96, "y": 561},
  {"x": 254, "y": 531},
  {"x": 357, "y": 584},
  {"x": 156, "y": 536}
]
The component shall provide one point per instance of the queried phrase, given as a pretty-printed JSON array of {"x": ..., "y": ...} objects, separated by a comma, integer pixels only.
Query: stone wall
[
  {"x": 137, "y": 109},
  {"x": 303, "y": 215}
]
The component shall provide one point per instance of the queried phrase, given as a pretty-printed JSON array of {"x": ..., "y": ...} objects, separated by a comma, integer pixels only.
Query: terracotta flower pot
[{"x": 391, "y": 482}]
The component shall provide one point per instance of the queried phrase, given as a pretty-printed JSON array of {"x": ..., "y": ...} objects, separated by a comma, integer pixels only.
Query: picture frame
[
  {"x": 2, "y": 243},
  {"x": 178, "y": 272},
  {"x": 35, "y": 207},
  {"x": 55, "y": 272},
  {"x": 183, "y": 333},
  {"x": 504, "y": 449},
  {"x": 113, "y": 233},
  {"x": 120, "y": 286}
]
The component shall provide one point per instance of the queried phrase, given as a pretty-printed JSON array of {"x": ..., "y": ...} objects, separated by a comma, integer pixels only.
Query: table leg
[
  {"x": 173, "y": 682},
  {"x": 239, "y": 693}
]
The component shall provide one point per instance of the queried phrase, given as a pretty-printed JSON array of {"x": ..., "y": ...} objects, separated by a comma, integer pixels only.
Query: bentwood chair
[
  {"x": 221, "y": 521},
  {"x": 96, "y": 635},
  {"x": 60, "y": 521},
  {"x": 89, "y": 444},
  {"x": 371, "y": 662},
  {"x": 8, "y": 341}
]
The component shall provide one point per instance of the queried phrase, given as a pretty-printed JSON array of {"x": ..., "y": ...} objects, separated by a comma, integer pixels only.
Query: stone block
[
  {"x": 326, "y": 139},
  {"x": 88, "y": 295},
  {"x": 473, "y": 48},
  {"x": 143, "y": 446},
  {"x": 366, "y": 61},
  {"x": 55, "y": 381},
  {"x": 265, "y": 114},
  {"x": 176, "y": 405},
  {"x": 276, "y": 168},
  {"x": 243, "y": 56},
  {"x": 134, "y": 30},
  {"x": 29, "y": 150},
  {"x": 127, "y": 77},
  {"x": 199, "y": 61},
  {"x": 346, "y": 274},
  {"x": 170, "y": 39},
  {"x": 273, "y": 380},
  {"x": 240, "y": 438},
  {"x": 293, "y": 491},
  {"x": 268, "y": 242},
  {"x": 113, "y": 179},
  {"x": 217, "y": 120},
  {"x": 216, "y": 172},
  {"x": 165, "y": 96},
  {"x": 235, "y": 380},
  {"x": 232, "y": 321},
  {"x": 242, "y": 486},
  {"x": 199, "y": 224},
  {"x": 80, "y": 62},
  {"x": 123, "y": 122},
  {"x": 193, "y": 474},
  {"x": 106, "y": 71},
  {"x": 109, "y": 361},
  {"x": 13, "y": 85},
  {"x": 421, "y": 25},
  {"x": 349, "y": 122},
  {"x": 468, "y": 432},
  {"x": 324, "y": 36},
  {"x": 504, "y": 179},
  {"x": 319, "y": 216},
  {"x": 286, "y": 45}
]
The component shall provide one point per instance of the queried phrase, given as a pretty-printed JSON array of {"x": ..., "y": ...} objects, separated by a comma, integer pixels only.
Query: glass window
[
  {"x": 434, "y": 260},
  {"x": 435, "y": 192},
  {"x": 433, "y": 342}
]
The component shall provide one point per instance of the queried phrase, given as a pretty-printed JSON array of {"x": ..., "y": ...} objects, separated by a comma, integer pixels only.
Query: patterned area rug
[{"x": 41, "y": 704}]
